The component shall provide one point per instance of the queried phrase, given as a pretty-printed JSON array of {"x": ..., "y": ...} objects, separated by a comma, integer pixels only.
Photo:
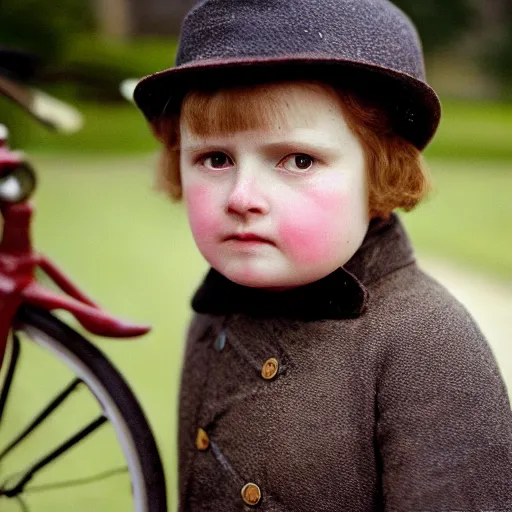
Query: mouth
[{"x": 248, "y": 238}]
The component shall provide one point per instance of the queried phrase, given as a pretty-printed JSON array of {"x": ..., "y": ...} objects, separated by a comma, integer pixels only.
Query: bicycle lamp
[
  {"x": 17, "y": 178},
  {"x": 17, "y": 184}
]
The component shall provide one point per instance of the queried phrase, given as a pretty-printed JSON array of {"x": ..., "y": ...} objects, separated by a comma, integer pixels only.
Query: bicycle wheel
[{"x": 92, "y": 373}]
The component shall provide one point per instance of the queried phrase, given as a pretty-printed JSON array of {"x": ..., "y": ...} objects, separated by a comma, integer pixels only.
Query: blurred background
[{"x": 100, "y": 218}]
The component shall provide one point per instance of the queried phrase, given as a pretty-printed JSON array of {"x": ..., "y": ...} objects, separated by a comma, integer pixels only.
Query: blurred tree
[
  {"x": 41, "y": 26},
  {"x": 497, "y": 53},
  {"x": 501, "y": 56},
  {"x": 439, "y": 22},
  {"x": 44, "y": 28}
]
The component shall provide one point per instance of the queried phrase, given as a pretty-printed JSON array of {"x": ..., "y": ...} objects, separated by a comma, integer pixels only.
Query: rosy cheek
[
  {"x": 201, "y": 211},
  {"x": 309, "y": 228}
]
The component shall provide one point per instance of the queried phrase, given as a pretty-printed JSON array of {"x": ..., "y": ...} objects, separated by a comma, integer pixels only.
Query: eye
[
  {"x": 216, "y": 161},
  {"x": 298, "y": 162}
]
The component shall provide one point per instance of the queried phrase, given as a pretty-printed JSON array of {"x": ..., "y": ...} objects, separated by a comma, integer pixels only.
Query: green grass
[
  {"x": 477, "y": 130},
  {"x": 108, "y": 129},
  {"x": 131, "y": 250},
  {"x": 468, "y": 217}
]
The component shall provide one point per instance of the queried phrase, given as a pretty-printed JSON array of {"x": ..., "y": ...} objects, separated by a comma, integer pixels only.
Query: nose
[{"x": 245, "y": 197}]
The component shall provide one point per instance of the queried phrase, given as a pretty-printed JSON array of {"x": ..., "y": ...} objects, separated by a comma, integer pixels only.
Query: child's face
[{"x": 282, "y": 207}]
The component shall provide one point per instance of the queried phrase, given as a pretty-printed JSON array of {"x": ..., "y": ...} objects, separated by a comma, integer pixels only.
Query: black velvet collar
[{"x": 341, "y": 294}]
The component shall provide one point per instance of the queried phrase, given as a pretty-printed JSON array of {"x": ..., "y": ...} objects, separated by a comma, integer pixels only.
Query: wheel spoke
[
  {"x": 79, "y": 481},
  {"x": 64, "y": 447},
  {"x": 4, "y": 394},
  {"x": 99, "y": 380},
  {"x": 43, "y": 415}
]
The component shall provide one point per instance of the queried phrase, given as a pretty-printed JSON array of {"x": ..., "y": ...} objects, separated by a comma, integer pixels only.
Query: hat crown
[{"x": 373, "y": 32}]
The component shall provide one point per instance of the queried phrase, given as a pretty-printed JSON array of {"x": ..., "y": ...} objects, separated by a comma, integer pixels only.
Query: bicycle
[{"x": 26, "y": 319}]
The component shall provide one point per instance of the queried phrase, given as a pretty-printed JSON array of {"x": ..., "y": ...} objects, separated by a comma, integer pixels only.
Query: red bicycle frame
[{"x": 18, "y": 262}]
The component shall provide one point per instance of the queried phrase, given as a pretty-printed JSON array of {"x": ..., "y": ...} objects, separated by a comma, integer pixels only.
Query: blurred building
[{"x": 123, "y": 18}]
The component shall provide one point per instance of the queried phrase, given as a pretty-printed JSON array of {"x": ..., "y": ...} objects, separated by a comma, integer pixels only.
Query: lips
[{"x": 248, "y": 237}]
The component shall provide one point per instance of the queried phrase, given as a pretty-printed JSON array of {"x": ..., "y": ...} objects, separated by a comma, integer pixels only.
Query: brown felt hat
[{"x": 368, "y": 44}]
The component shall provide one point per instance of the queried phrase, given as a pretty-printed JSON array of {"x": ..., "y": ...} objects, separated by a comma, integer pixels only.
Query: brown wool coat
[{"x": 386, "y": 398}]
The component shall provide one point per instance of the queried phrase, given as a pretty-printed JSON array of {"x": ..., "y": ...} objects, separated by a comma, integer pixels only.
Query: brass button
[
  {"x": 202, "y": 440},
  {"x": 270, "y": 368},
  {"x": 251, "y": 494}
]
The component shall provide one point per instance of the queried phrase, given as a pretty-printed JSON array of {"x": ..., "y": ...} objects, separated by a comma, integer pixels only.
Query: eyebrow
[
  {"x": 196, "y": 148},
  {"x": 291, "y": 145}
]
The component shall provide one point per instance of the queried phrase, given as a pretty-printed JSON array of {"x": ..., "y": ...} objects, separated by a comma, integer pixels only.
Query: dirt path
[{"x": 488, "y": 300}]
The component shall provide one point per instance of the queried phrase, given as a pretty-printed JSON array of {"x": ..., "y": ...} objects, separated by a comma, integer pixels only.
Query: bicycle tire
[{"x": 115, "y": 397}]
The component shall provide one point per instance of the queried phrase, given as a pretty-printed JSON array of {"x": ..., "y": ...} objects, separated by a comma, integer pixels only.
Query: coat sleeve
[{"x": 444, "y": 424}]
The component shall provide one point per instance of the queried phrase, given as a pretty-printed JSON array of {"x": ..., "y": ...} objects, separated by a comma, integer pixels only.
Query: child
[{"x": 323, "y": 370}]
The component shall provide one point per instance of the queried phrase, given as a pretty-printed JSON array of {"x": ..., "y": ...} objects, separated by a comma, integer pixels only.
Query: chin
[
  {"x": 269, "y": 279},
  {"x": 252, "y": 281},
  {"x": 252, "y": 276}
]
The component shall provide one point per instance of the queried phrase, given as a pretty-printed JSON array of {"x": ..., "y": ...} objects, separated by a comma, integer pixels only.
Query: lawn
[
  {"x": 468, "y": 216},
  {"x": 99, "y": 218}
]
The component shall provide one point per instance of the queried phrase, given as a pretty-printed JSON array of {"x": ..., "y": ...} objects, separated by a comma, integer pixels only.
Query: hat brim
[{"x": 413, "y": 105}]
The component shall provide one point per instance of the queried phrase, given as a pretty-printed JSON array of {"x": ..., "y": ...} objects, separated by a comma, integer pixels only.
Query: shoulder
[
  {"x": 427, "y": 337},
  {"x": 444, "y": 425},
  {"x": 413, "y": 305},
  {"x": 424, "y": 328}
]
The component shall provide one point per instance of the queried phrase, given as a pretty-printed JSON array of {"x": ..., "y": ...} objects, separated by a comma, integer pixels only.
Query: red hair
[{"x": 397, "y": 176}]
